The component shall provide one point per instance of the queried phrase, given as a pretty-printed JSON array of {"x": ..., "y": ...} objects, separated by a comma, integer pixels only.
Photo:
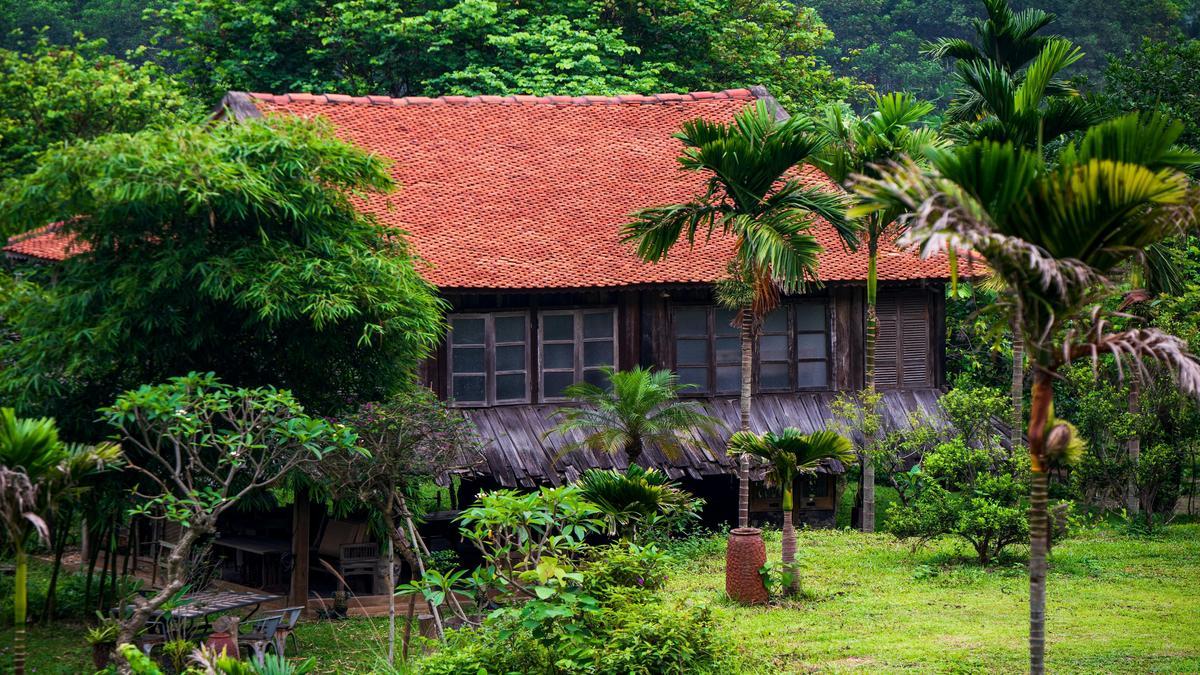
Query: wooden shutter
[
  {"x": 887, "y": 330},
  {"x": 902, "y": 344}
]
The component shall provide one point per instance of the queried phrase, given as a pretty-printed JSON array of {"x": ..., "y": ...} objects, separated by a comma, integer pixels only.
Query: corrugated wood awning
[{"x": 520, "y": 451}]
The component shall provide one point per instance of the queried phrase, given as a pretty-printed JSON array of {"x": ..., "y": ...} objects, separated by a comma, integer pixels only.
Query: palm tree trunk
[
  {"x": 789, "y": 549},
  {"x": 1039, "y": 412},
  {"x": 744, "y": 402},
  {"x": 1017, "y": 391},
  {"x": 1134, "y": 447},
  {"x": 20, "y": 603},
  {"x": 867, "y": 495}
]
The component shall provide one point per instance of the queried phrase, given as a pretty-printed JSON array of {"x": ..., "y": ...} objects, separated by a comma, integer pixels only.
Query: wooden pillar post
[{"x": 301, "y": 514}]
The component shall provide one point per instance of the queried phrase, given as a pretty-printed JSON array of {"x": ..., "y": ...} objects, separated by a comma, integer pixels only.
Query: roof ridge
[{"x": 517, "y": 99}]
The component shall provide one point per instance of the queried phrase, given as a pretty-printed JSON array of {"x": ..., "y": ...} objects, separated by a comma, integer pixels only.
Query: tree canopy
[{"x": 232, "y": 247}]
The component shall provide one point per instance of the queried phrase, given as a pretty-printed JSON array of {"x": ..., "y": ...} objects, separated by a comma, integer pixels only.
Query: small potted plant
[{"x": 103, "y": 639}]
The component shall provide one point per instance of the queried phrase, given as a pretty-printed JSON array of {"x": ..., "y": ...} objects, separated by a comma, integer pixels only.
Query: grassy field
[{"x": 1117, "y": 603}]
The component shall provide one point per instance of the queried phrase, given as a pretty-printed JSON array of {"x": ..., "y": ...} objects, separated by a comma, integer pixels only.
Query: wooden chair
[
  {"x": 261, "y": 635},
  {"x": 287, "y": 629}
]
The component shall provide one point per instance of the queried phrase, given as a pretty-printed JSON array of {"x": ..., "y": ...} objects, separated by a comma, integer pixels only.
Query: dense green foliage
[
  {"x": 490, "y": 47},
  {"x": 234, "y": 248},
  {"x": 1158, "y": 76},
  {"x": 55, "y": 94},
  {"x": 118, "y": 22}
]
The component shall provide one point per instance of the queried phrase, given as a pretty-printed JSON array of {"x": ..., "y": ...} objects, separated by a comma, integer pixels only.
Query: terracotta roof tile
[{"x": 531, "y": 192}]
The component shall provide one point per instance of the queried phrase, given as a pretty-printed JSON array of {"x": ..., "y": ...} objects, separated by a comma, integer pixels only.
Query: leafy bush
[
  {"x": 972, "y": 493},
  {"x": 639, "y": 500},
  {"x": 628, "y": 566}
]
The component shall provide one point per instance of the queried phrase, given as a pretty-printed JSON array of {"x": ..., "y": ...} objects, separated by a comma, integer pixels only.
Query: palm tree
[
  {"x": 36, "y": 468},
  {"x": 859, "y": 144},
  {"x": 754, "y": 196},
  {"x": 638, "y": 407},
  {"x": 636, "y": 499},
  {"x": 1059, "y": 233},
  {"x": 791, "y": 454},
  {"x": 1010, "y": 90}
]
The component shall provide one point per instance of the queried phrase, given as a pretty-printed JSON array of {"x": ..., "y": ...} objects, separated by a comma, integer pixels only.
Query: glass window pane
[
  {"x": 773, "y": 376},
  {"x": 724, "y": 322},
  {"x": 773, "y": 348},
  {"x": 691, "y": 352},
  {"x": 558, "y": 356},
  {"x": 776, "y": 322},
  {"x": 468, "y": 388},
  {"x": 810, "y": 316},
  {"x": 510, "y": 387},
  {"x": 511, "y": 357},
  {"x": 554, "y": 383},
  {"x": 598, "y": 324},
  {"x": 691, "y": 322},
  {"x": 510, "y": 329},
  {"x": 810, "y": 345},
  {"x": 597, "y": 353},
  {"x": 466, "y": 331},
  {"x": 729, "y": 350},
  {"x": 694, "y": 376},
  {"x": 468, "y": 359},
  {"x": 558, "y": 327},
  {"x": 811, "y": 375},
  {"x": 729, "y": 380},
  {"x": 597, "y": 378}
]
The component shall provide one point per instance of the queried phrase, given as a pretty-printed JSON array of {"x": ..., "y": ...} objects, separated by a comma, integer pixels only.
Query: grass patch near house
[{"x": 1117, "y": 603}]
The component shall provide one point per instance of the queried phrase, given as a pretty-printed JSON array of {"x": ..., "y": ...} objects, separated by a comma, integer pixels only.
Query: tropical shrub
[
  {"x": 626, "y": 566},
  {"x": 639, "y": 501},
  {"x": 972, "y": 493},
  {"x": 1158, "y": 476}
]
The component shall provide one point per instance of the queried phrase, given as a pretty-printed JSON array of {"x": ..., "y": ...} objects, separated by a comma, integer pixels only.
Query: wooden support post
[{"x": 298, "y": 595}]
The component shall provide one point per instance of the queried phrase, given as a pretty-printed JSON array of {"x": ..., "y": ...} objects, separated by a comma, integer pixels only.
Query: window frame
[
  {"x": 793, "y": 357},
  {"x": 578, "y": 342},
  {"x": 490, "y": 374}
]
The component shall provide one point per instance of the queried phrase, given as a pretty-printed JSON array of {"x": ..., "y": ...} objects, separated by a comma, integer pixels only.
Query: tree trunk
[
  {"x": 174, "y": 578},
  {"x": 20, "y": 602},
  {"x": 789, "y": 551},
  {"x": 1039, "y": 412},
  {"x": 744, "y": 403},
  {"x": 1017, "y": 390},
  {"x": 61, "y": 534},
  {"x": 391, "y": 562},
  {"x": 1134, "y": 447},
  {"x": 866, "y": 495}
]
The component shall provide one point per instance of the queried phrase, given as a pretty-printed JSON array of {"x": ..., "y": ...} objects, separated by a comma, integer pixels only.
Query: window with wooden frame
[
  {"x": 903, "y": 346},
  {"x": 488, "y": 358},
  {"x": 574, "y": 346},
  {"x": 708, "y": 350},
  {"x": 792, "y": 352}
]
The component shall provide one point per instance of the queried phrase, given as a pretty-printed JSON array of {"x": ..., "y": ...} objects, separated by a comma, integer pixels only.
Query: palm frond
[
  {"x": 951, "y": 48},
  {"x": 1135, "y": 347}
]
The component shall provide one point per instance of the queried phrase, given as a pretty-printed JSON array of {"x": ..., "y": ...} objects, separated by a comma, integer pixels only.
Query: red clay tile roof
[{"x": 531, "y": 192}]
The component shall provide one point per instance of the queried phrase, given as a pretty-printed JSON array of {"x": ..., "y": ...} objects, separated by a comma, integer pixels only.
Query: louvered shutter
[
  {"x": 902, "y": 343},
  {"x": 886, "y": 339},
  {"x": 914, "y": 341}
]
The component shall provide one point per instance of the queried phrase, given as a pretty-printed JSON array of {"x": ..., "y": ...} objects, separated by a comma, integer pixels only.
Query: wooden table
[
  {"x": 263, "y": 548},
  {"x": 206, "y": 603}
]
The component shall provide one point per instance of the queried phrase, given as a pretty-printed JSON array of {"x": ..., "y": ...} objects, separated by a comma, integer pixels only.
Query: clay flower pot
[{"x": 744, "y": 557}]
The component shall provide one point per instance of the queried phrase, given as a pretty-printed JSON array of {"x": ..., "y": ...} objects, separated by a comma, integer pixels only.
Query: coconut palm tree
[
  {"x": 754, "y": 196},
  {"x": 859, "y": 144},
  {"x": 1059, "y": 233},
  {"x": 638, "y": 407},
  {"x": 36, "y": 470},
  {"x": 790, "y": 454}
]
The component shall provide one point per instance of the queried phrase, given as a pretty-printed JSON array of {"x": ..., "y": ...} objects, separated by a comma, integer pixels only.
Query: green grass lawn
[{"x": 1117, "y": 603}]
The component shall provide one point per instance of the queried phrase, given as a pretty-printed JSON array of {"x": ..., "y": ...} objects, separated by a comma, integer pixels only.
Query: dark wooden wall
[{"x": 645, "y": 334}]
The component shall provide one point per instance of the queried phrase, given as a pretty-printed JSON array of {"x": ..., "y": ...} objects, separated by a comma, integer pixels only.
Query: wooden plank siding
[{"x": 518, "y": 451}]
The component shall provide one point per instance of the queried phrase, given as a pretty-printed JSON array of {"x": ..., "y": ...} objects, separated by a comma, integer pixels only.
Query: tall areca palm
[
  {"x": 1010, "y": 90},
  {"x": 753, "y": 195},
  {"x": 639, "y": 407},
  {"x": 1059, "y": 233},
  {"x": 791, "y": 454},
  {"x": 36, "y": 468},
  {"x": 859, "y": 144}
]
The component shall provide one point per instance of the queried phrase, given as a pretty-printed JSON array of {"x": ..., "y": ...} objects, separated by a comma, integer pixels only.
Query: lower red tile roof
[{"x": 531, "y": 192}]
